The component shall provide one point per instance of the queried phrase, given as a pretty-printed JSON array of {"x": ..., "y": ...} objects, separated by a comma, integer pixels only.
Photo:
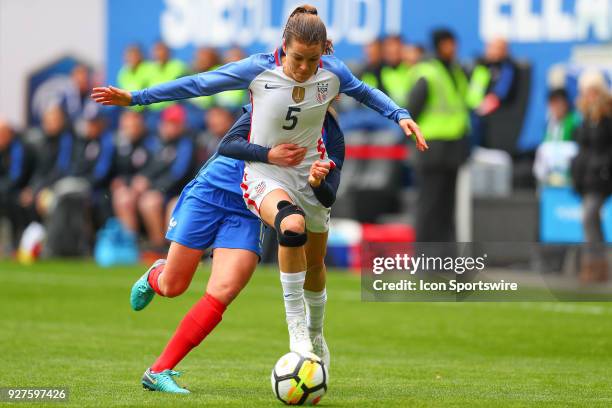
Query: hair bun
[{"x": 305, "y": 9}]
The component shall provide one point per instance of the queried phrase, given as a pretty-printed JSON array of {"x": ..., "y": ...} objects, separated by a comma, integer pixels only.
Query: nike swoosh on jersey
[{"x": 268, "y": 86}]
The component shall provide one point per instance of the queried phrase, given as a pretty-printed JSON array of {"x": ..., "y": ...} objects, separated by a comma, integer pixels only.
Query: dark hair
[
  {"x": 305, "y": 25},
  {"x": 558, "y": 93},
  {"x": 440, "y": 35},
  {"x": 394, "y": 37}
]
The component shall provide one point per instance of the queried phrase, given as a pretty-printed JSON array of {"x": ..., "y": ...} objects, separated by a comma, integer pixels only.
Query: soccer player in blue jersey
[
  {"x": 291, "y": 90},
  {"x": 211, "y": 214}
]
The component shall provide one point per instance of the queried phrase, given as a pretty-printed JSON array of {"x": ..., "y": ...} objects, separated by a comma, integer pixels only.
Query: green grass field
[{"x": 69, "y": 324}]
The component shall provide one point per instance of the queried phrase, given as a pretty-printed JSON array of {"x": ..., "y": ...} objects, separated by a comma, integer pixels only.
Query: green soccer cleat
[
  {"x": 162, "y": 382},
  {"x": 142, "y": 293}
]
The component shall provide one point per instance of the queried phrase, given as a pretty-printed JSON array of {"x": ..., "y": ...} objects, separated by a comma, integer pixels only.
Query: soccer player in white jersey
[{"x": 291, "y": 90}]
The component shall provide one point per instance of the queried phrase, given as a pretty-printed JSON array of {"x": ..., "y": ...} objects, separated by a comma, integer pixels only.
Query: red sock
[
  {"x": 203, "y": 317},
  {"x": 153, "y": 278}
]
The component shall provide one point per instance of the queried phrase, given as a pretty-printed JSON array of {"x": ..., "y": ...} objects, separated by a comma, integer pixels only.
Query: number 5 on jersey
[{"x": 291, "y": 117}]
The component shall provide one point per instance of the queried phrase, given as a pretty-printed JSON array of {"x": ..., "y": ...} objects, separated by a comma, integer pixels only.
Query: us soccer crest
[
  {"x": 298, "y": 94},
  {"x": 322, "y": 88},
  {"x": 261, "y": 187}
]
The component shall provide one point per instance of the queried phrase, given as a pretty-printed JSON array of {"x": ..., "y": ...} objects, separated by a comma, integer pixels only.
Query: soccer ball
[{"x": 299, "y": 379}]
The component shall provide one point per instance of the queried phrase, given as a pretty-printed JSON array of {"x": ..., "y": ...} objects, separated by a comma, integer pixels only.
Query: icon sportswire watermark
[{"x": 472, "y": 272}]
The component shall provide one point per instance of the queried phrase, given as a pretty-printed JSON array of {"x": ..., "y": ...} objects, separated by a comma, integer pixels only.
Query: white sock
[
  {"x": 293, "y": 293},
  {"x": 315, "y": 304}
]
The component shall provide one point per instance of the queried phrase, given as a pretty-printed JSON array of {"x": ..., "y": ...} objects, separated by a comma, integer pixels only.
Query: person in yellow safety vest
[
  {"x": 370, "y": 73},
  {"x": 135, "y": 72},
  {"x": 232, "y": 100},
  {"x": 204, "y": 59},
  {"x": 207, "y": 59},
  {"x": 437, "y": 101},
  {"x": 412, "y": 54},
  {"x": 394, "y": 74},
  {"x": 164, "y": 69},
  {"x": 493, "y": 78}
]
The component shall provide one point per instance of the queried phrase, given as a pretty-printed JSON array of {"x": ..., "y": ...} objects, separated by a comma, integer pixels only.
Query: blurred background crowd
[{"x": 80, "y": 172}]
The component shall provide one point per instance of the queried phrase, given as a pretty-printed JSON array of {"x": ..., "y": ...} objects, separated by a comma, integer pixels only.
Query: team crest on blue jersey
[
  {"x": 172, "y": 223},
  {"x": 322, "y": 88},
  {"x": 298, "y": 94}
]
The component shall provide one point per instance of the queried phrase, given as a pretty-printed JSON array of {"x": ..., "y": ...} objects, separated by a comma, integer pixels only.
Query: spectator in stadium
[
  {"x": 493, "y": 78},
  {"x": 555, "y": 153},
  {"x": 135, "y": 151},
  {"x": 82, "y": 83},
  {"x": 93, "y": 162},
  {"x": 204, "y": 59},
  {"x": 16, "y": 167},
  {"x": 54, "y": 160},
  {"x": 562, "y": 121},
  {"x": 394, "y": 74},
  {"x": 218, "y": 123},
  {"x": 233, "y": 54},
  {"x": 370, "y": 73},
  {"x": 163, "y": 67},
  {"x": 437, "y": 102},
  {"x": 232, "y": 100},
  {"x": 354, "y": 116},
  {"x": 161, "y": 182},
  {"x": 592, "y": 169},
  {"x": 135, "y": 73},
  {"x": 412, "y": 54}
]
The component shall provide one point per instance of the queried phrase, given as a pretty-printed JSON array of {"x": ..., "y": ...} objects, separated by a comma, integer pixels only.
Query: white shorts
[{"x": 258, "y": 181}]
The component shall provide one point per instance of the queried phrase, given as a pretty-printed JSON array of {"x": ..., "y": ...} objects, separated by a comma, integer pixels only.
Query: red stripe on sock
[
  {"x": 203, "y": 317},
  {"x": 154, "y": 279}
]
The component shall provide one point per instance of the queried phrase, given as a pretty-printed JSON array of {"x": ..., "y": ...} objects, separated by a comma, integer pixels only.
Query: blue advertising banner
[
  {"x": 541, "y": 32},
  {"x": 561, "y": 216}
]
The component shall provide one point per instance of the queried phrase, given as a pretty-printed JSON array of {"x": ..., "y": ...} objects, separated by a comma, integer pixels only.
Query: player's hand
[
  {"x": 410, "y": 127},
  {"x": 286, "y": 155},
  {"x": 318, "y": 171},
  {"x": 109, "y": 95}
]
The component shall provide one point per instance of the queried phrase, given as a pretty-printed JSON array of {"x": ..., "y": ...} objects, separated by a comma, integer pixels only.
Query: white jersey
[
  {"x": 287, "y": 111},
  {"x": 284, "y": 111}
]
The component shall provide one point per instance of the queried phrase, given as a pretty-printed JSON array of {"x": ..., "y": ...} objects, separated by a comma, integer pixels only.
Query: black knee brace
[{"x": 288, "y": 238}]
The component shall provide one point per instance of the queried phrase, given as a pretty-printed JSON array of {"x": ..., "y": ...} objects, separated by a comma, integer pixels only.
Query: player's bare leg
[
  {"x": 277, "y": 209},
  {"x": 231, "y": 271},
  {"x": 166, "y": 277},
  {"x": 315, "y": 294}
]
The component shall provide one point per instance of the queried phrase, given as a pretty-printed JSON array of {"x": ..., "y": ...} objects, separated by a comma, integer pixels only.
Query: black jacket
[
  {"x": 173, "y": 166},
  {"x": 54, "y": 160},
  {"x": 93, "y": 160},
  {"x": 132, "y": 158},
  {"x": 17, "y": 163},
  {"x": 592, "y": 167}
]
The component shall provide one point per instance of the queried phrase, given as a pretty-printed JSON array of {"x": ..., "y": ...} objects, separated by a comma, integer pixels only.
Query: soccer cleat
[
  {"x": 162, "y": 382},
  {"x": 142, "y": 293},
  {"x": 299, "y": 341},
  {"x": 319, "y": 347}
]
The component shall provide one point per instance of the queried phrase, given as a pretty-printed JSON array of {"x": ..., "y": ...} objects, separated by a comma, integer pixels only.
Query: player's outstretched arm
[
  {"x": 377, "y": 100},
  {"x": 236, "y": 75}
]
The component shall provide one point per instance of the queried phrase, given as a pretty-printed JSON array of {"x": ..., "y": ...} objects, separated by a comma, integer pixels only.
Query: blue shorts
[{"x": 209, "y": 217}]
